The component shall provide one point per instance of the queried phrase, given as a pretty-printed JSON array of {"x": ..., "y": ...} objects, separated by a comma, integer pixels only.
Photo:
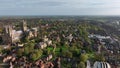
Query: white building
[
  {"x": 101, "y": 65},
  {"x": 98, "y": 36}
]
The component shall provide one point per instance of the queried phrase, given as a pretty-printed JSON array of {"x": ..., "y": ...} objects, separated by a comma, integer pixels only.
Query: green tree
[
  {"x": 28, "y": 48},
  {"x": 81, "y": 65},
  {"x": 83, "y": 57},
  {"x": 99, "y": 57},
  {"x": 36, "y": 54},
  {"x": 67, "y": 54},
  {"x": 1, "y": 49},
  {"x": 1, "y": 30},
  {"x": 20, "y": 52}
]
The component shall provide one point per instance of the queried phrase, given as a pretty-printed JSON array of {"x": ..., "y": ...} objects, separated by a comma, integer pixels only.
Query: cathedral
[{"x": 11, "y": 35}]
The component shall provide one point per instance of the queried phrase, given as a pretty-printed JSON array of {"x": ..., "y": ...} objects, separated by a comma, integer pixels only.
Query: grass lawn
[
  {"x": 57, "y": 50},
  {"x": 50, "y": 48}
]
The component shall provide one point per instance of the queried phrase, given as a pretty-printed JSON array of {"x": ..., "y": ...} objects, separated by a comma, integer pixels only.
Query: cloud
[{"x": 59, "y": 7}]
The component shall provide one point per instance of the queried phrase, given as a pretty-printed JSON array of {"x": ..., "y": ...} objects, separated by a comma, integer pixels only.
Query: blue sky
[{"x": 59, "y": 7}]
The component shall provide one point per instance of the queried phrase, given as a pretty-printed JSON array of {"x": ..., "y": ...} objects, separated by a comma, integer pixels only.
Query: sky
[{"x": 59, "y": 7}]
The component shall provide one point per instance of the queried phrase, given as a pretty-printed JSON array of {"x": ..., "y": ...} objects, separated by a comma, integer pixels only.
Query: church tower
[
  {"x": 8, "y": 30},
  {"x": 24, "y": 26},
  {"x": 7, "y": 37}
]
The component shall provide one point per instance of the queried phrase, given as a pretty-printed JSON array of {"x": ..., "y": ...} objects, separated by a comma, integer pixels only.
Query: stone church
[{"x": 11, "y": 35}]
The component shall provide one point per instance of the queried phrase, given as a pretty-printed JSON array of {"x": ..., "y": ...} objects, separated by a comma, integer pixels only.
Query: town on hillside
[{"x": 60, "y": 42}]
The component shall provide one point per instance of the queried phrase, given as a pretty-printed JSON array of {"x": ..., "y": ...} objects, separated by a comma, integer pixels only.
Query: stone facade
[{"x": 11, "y": 35}]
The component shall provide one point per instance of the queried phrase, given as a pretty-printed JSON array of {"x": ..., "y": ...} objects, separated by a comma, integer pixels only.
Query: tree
[
  {"x": 36, "y": 54},
  {"x": 28, "y": 48},
  {"x": 33, "y": 57},
  {"x": 83, "y": 57},
  {"x": 99, "y": 57},
  {"x": 1, "y": 49},
  {"x": 20, "y": 52},
  {"x": 67, "y": 54},
  {"x": 1, "y": 30},
  {"x": 81, "y": 65}
]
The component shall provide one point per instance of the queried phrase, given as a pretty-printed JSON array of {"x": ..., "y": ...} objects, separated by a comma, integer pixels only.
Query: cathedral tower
[
  {"x": 24, "y": 26},
  {"x": 8, "y": 30},
  {"x": 7, "y": 37}
]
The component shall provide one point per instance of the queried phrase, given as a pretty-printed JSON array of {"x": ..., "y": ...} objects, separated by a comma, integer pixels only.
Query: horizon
[
  {"x": 55, "y": 7},
  {"x": 53, "y": 15}
]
